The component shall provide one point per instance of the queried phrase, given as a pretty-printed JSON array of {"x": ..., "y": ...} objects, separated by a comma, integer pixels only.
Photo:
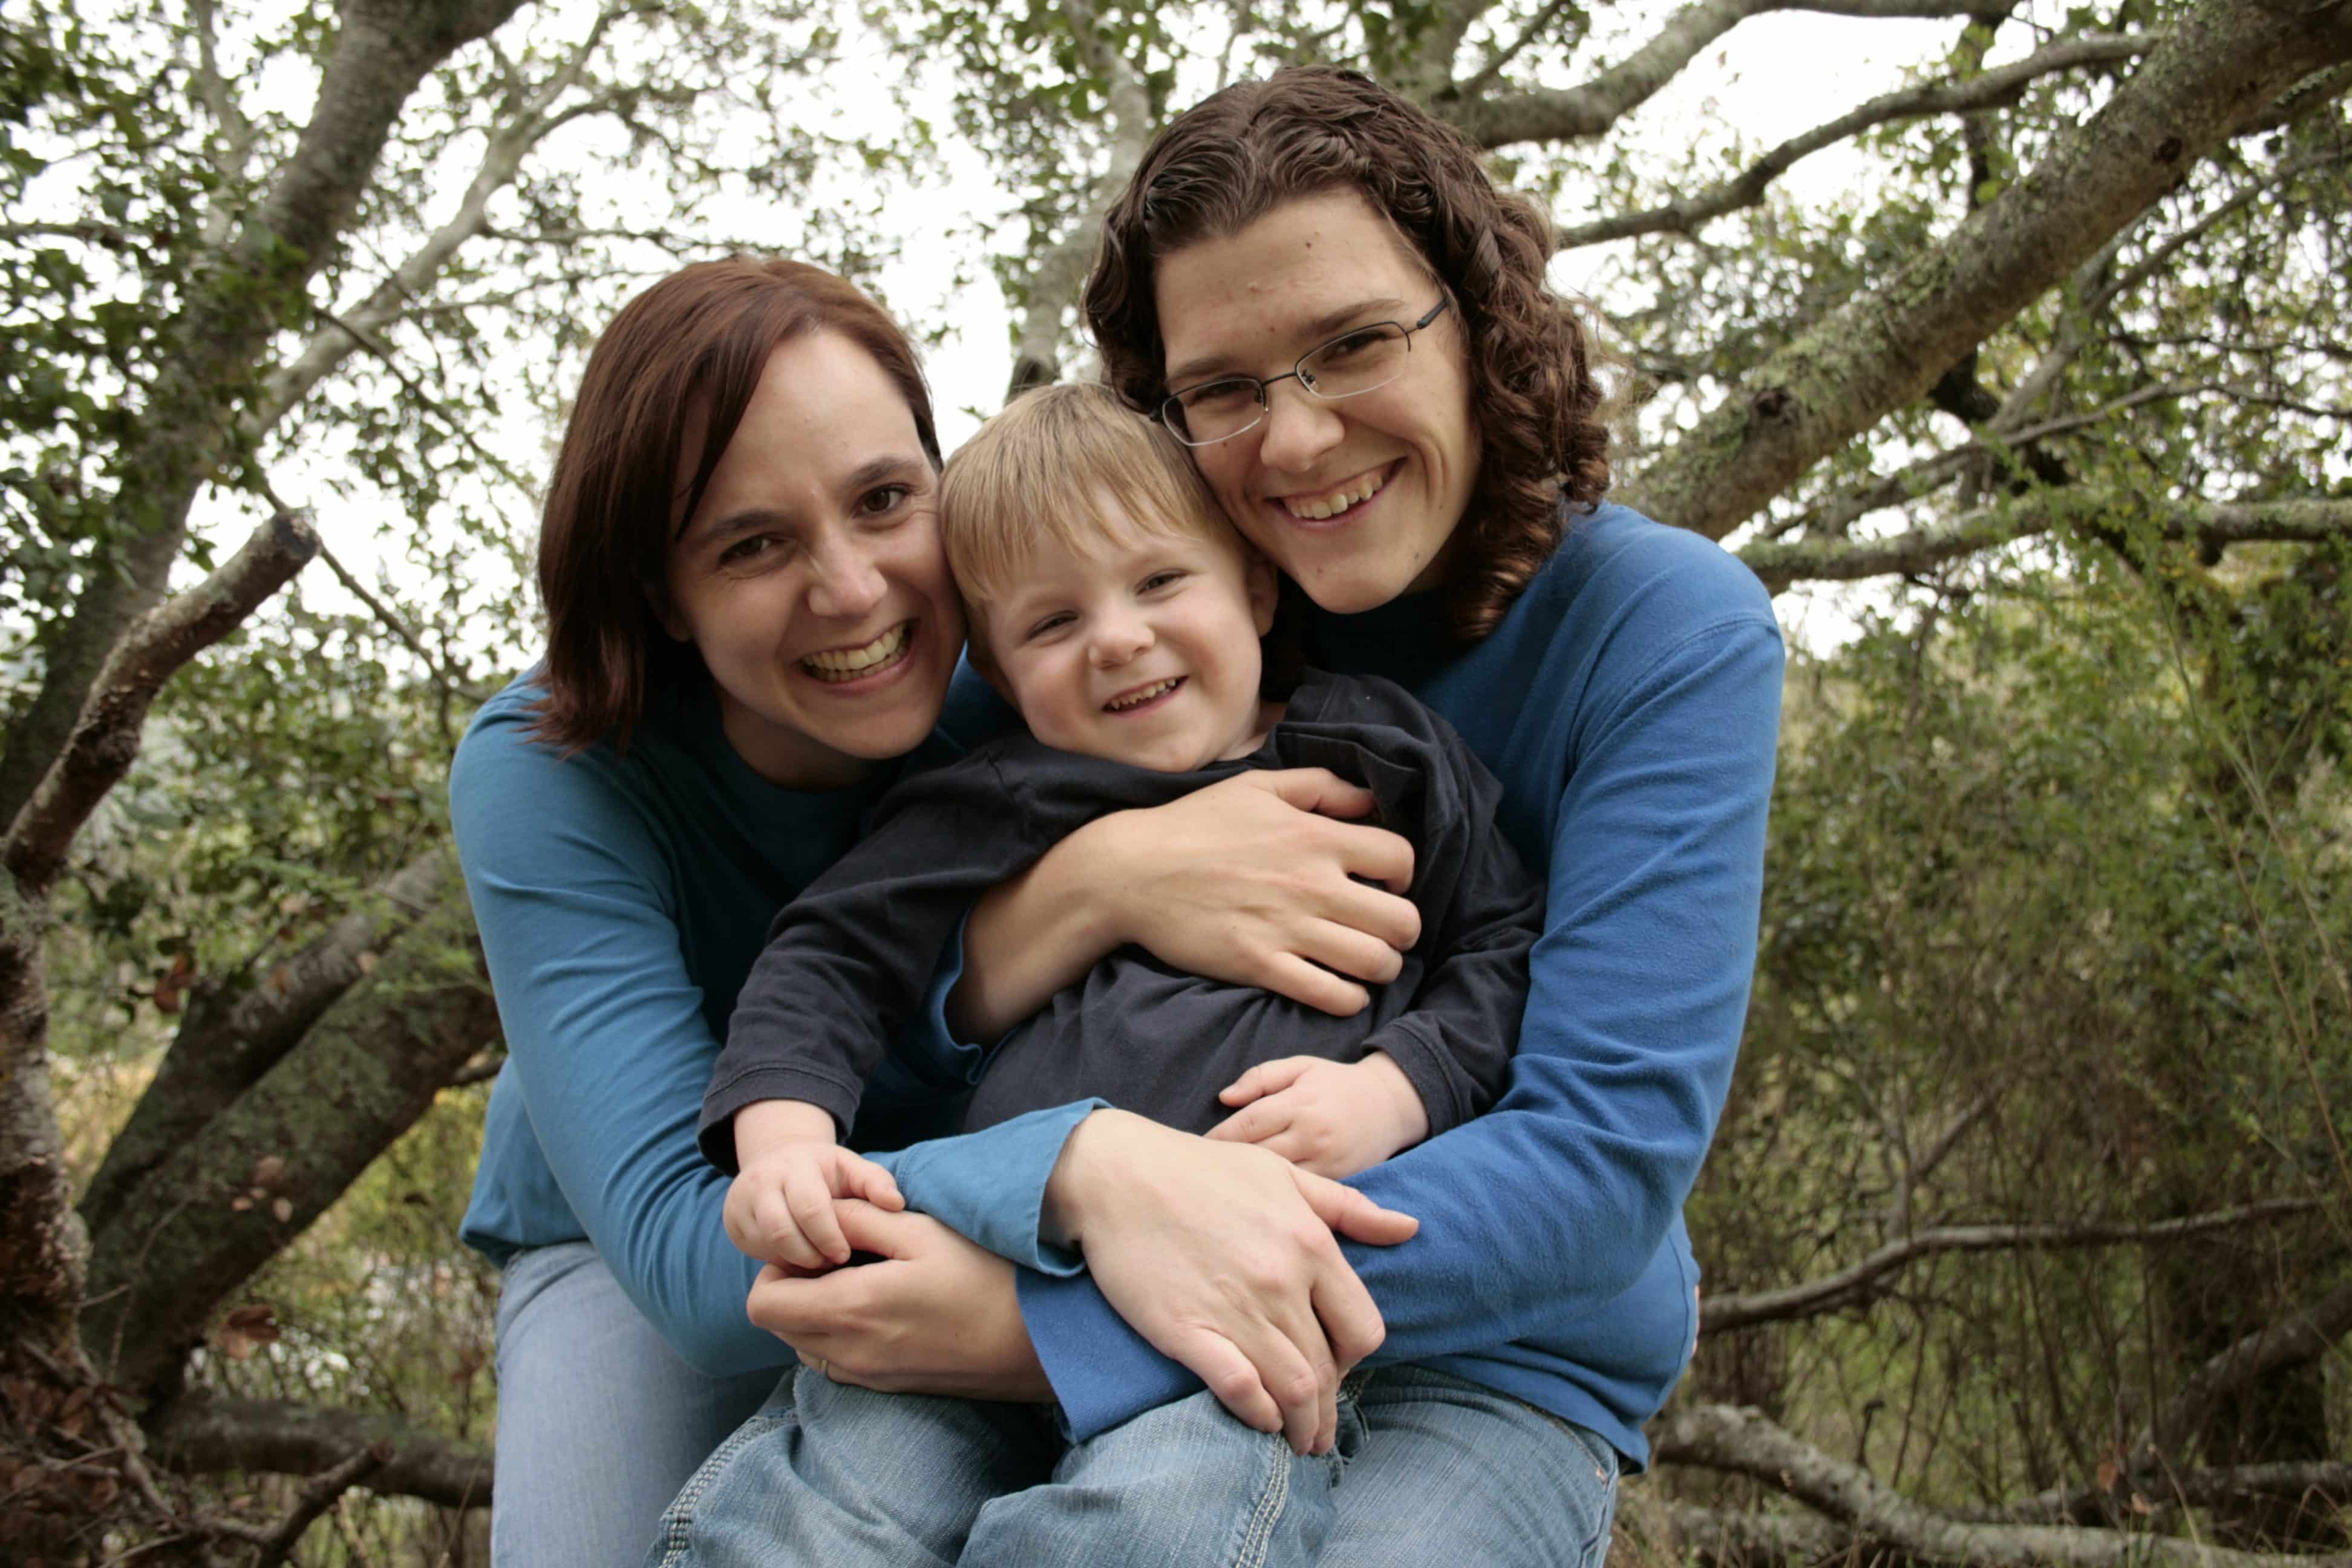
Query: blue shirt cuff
[
  {"x": 990, "y": 1185},
  {"x": 1103, "y": 1372}
]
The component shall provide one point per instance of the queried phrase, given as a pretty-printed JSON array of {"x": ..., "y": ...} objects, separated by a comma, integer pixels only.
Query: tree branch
[
  {"x": 2301, "y": 1337},
  {"x": 317, "y": 1497},
  {"x": 361, "y": 1076},
  {"x": 502, "y": 160},
  {"x": 1055, "y": 281},
  {"x": 202, "y": 1433},
  {"x": 2224, "y": 62},
  {"x": 1833, "y": 518},
  {"x": 1743, "y": 1441},
  {"x": 1850, "y": 1287},
  {"x": 1578, "y": 113},
  {"x": 218, "y": 1056},
  {"x": 2325, "y": 1481},
  {"x": 102, "y": 746},
  {"x": 1501, "y": 58},
  {"x": 1993, "y": 90},
  {"x": 2212, "y": 524},
  {"x": 245, "y": 292}
]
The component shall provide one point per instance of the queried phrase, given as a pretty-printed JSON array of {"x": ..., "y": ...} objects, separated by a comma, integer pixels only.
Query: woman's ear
[
  {"x": 1264, "y": 586},
  {"x": 665, "y": 610}
]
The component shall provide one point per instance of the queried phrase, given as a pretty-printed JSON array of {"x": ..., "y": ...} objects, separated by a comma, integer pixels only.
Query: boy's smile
[{"x": 1143, "y": 650}]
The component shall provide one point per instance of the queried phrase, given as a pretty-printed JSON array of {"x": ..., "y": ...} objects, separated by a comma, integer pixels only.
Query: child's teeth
[
  {"x": 842, "y": 664},
  {"x": 1124, "y": 703}
]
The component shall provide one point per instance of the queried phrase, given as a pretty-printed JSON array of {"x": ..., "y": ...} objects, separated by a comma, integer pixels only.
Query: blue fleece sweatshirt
[{"x": 1630, "y": 703}]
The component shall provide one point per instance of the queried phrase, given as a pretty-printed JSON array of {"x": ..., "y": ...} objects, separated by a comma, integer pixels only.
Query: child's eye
[
  {"x": 1049, "y": 625},
  {"x": 1161, "y": 580}
]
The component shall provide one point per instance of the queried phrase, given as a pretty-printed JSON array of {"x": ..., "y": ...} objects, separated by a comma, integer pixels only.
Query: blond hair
[{"x": 1039, "y": 476}]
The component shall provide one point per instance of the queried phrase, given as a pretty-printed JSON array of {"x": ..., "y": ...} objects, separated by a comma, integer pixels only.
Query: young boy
[{"x": 1112, "y": 604}]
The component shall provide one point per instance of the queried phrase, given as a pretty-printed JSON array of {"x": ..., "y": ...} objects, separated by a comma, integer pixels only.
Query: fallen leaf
[
  {"x": 267, "y": 1172},
  {"x": 284, "y": 1209},
  {"x": 366, "y": 962}
]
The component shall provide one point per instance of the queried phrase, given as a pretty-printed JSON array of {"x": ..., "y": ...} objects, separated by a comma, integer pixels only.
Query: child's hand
[
  {"x": 1334, "y": 1119},
  {"x": 780, "y": 1209}
]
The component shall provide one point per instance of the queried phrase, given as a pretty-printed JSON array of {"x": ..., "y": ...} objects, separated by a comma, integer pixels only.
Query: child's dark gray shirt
[{"x": 849, "y": 961}]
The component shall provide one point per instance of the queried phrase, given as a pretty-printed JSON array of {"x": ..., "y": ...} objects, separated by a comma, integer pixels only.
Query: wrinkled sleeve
[
  {"x": 1551, "y": 1206},
  {"x": 606, "y": 1030}
]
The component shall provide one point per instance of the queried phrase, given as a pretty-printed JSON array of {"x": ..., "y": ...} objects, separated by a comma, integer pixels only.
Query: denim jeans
[
  {"x": 1450, "y": 1471},
  {"x": 599, "y": 1422},
  {"x": 1437, "y": 1471},
  {"x": 827, "y": 1474}
]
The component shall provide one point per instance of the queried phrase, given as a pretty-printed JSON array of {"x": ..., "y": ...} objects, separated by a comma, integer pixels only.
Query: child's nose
[{"x": 1120, "y": 638}]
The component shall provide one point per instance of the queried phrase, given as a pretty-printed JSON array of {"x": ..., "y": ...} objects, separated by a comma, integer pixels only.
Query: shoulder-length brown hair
[
  {"x": 697, "y": 340},
  {"x": 1233, "y": 157}
]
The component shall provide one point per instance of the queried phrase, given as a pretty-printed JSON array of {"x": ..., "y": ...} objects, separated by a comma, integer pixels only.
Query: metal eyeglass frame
[{"x": 1170, "y": 412}]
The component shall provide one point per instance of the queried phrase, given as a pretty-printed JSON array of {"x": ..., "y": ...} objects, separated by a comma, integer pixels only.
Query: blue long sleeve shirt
[
  {"x": 1630, "y": 703},
  {"x": 621, "y": 900}
]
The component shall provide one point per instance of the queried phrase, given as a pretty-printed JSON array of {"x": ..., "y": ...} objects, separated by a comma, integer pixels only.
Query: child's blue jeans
[{"x": 1437, "y": 1469}]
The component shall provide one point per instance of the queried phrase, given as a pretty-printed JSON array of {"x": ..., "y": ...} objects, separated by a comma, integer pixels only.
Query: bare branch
[
  {"x": 1501, "y": 58},
  {"x": 1993, "y": 90},
  {"x": 317, "y": 1496},
  {"x": 502, "y": 160},
  {"x": 1578, "y": 113},
  {"x": 1055, "y": 281},
  {"x": 1869, "y": 1278},
  {"x": 1833, "y": 519},
  {"x": 2319, "y": 1481},
  {"x": 93, "y": 233},
  {"x": 213, "y": 91},
  {"x": 2222, "y": 64},
  {"x": 2213, "y": 524},
  {"x": 202, "y": 1433},
  {"x": 1743, "y": 1441},
  {"x": 106, "y": 740},
  {"x": 2301, "y": 1337}
]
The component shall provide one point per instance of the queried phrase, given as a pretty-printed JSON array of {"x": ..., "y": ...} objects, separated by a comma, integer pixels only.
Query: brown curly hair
[{"x": 1307, "y": 130}]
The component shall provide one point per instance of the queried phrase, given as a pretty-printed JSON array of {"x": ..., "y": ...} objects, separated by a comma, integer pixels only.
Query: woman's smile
[
  {"x": 1343, "y": 502},
  {"x": 845, "y": 666}
]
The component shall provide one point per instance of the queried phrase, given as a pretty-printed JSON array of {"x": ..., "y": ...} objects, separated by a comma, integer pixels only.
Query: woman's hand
[
  {"x": 1255, "y": 881},
  {"x": 1221, "y": 1256},
  {"x": 936, "y": 1315}
]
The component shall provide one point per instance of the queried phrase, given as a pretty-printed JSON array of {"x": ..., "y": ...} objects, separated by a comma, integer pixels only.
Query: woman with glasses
[{"x": 1317, "y": 289}]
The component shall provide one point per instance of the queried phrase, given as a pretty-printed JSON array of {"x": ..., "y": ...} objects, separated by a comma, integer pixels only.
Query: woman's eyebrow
[
  {"x": 874, "y": 471},
  {"x": 1316, "y": 333},
  {"x": 741, "y": 522}
]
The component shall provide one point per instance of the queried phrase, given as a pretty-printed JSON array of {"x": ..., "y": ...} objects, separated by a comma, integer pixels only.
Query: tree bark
[
  {"x": 2223, "y": 66},
  {"x": 182, "y": 1241},
  {"x": 200, "y": 1433},
  {"x": 219, "y": 1054}
]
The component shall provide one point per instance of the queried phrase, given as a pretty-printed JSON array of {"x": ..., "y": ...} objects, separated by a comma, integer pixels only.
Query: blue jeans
[
  {"x": 599, "y": 1422},
  {"x": 1437, "y": 1471}
]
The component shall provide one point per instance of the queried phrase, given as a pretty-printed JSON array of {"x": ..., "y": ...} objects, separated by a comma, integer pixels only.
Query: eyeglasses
[{"x": 1361, "y": 361}]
